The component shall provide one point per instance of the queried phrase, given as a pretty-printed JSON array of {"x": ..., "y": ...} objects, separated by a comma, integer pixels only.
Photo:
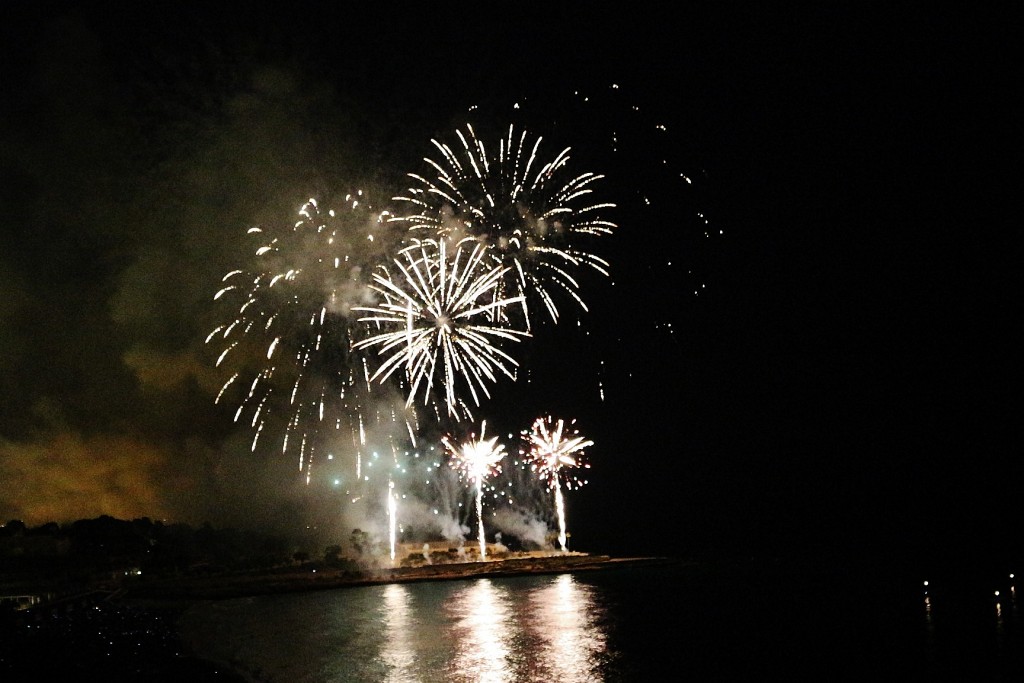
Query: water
[{"x": 675, "y": 622}]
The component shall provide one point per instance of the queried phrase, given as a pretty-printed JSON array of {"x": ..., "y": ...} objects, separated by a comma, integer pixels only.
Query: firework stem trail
[
  {"x": 550, "y": 452},
  {"x": 475, "y": 459}
]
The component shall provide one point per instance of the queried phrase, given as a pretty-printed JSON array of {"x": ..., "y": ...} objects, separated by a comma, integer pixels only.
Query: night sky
[{"x": 808, "y": 345}]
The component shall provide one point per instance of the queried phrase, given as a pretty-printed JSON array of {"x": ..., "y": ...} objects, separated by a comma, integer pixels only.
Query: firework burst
[
  {"x": 550, "y": 451},
  {"x": 531, "y": 214},
  {"x": 476, "y": 460},
  {"x": 289, "y": 339},
  {"x": 436, "y": 315}
]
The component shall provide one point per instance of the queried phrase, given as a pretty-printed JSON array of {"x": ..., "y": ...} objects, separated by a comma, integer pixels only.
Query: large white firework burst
[
  {"x": 289, "y": 338},
  {"x": 436, "y": 312},
  {"x": 533, "y": 215}
]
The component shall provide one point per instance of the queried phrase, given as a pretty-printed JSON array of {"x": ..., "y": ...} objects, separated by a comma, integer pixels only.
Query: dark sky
[{"x": 846, "y": 375}]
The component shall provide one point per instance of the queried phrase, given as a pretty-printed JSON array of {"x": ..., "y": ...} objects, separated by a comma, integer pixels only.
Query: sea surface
[{"x": 644, "y": 623}]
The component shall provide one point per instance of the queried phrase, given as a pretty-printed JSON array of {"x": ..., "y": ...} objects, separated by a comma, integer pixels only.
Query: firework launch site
[
  {"x": 311, "y": 577},
  {"x": 53, "y": 566}
]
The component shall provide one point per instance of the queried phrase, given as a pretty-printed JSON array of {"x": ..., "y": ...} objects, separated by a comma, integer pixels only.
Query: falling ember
[
  {"x": 476, "y": 460},
  {"x": 550, "y": 451},
  {"x": 289, "y": 338}
]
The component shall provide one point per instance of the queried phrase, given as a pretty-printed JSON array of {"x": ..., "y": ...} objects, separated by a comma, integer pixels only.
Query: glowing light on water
[
  {"x": 475, "y": 460},
  {"x": 550, "y": 629},
  {"x": 550, "y": 450},
  {"x": 399, "y": 651},
  {"x": 485, "y": 631},
  {"x": 572, "y": 641}
]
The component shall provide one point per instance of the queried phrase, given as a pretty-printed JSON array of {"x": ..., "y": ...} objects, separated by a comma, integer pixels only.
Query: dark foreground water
[{"x": 677, "y": 622}]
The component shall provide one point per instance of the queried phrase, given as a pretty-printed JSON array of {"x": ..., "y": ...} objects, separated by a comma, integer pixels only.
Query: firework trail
[
  {"x": 550, "y": 451},
  {"x": 529, "y": 213},
  {"x": 289, "y": 339},
  {"x": 476, "y": 460},
  {"x": 436, "y": 313},
  {"x": 392, "y": 516}
]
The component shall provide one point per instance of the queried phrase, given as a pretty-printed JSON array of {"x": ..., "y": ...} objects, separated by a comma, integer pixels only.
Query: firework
[
  {"x": 476, "y": 460},
  {"x": 392, "y": 517},
  {"x": 289, "y": 339},
  {"x": 549, "y": 450},
  {"x": 530, "y": 214},
  {"x": 435, "y": 317}
]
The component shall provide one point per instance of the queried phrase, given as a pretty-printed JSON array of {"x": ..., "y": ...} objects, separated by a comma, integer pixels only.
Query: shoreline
[
  {"x": 133, "y": 632},
  {"x": 318, "y": 578}
]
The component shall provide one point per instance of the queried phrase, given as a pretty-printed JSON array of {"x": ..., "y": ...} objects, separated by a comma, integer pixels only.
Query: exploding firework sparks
[
  {"x": 655, "y": 180},
  {"x": 436, "y": 313},
  {"x": 550, "y": 451},
  {"x": 476, "y": 460},
  {"x": 529, "y": 213},
  {"x": 290, "y": 338},
  {"x": 341, "y": 310}
]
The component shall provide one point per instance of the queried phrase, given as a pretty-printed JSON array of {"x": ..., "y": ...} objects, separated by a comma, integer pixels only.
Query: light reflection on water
[
  {"x": 488, "y": 631},
  {"x": 398, "y": 653},
  {"x": 628, "y": 625},
  {"x": 547, "y": 633},
  {"x": 573, "y": 640},
  {"x": 482, "y": 633}
]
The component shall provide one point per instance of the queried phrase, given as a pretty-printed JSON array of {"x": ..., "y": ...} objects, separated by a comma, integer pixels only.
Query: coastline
[
  {"x": 185, "y": 595},
  {"x": 319, "y": 578},
  {"x": 133, "y": 633}
]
